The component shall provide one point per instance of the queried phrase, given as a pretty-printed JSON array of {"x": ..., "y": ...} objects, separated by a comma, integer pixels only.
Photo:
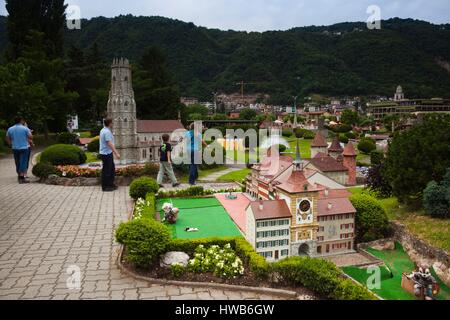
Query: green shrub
[
  {"x": 282, "y": 148},
  {"x": 189, "y": 245},
  {"x": 348, "y": 290},
  {"x": 66, "y": 138},
  {"x": 320, "y": 276},
  {"x": 95, "y": 131},
  {"x": 376, "y": 157},
  {"x": 371, "y": 219},
  {"x": 257, "y": 264},
  {"x": 287, "y": 133},
  {"x": 177, "y": 270},
  {"x": 350, "y": 135},
  {"x": 140, "y": 187},
  {"x": 63, "y": 154},
  {"x": 43, "y": 169},
  {"x": 145, "y": 208},
  {"x": 2, "y": 140},
  {"x": 150, "y": 169},
  {"x": 436, "y": 198},
  {"x": 343, "y": 128},
  {"x": 309, "y": 135},
  {"x": 299, "y": 132},
  {"x": 145, "y": 240},
  {"x": 367, "y": 145},
  {"x": 343, "y": 138},
  {"x": 94, "y": 145}
]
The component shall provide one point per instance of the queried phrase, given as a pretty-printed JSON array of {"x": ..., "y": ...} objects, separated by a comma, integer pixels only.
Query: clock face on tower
[{"x": 304, "y": 211}]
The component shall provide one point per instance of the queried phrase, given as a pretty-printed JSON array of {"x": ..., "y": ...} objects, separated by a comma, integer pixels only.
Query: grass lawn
[
  {"x": 435, "y": 231},
  {"x": 205, "y": 214},
  {"x": 363, "y": 158},
  {"x": 91, "y": 157},
  {"x": 235, "y": 176},
  {"x": 84, "y": 134},
  {"x": 202, "y": 174},
  {"x": 305, "y": 147},
  {"x": 398, "y": 262}
]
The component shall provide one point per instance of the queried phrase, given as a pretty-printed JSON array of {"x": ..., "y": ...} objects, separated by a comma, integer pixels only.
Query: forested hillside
[{"x": 343, "y": 59}]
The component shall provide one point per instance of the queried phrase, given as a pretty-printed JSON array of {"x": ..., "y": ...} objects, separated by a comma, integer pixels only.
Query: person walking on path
[
  {"x": 194, "y": 141},
  {"x": 20, "y": 139},
  {"x": 165, "y": 163},
  {"x": 107, "y": 153}
]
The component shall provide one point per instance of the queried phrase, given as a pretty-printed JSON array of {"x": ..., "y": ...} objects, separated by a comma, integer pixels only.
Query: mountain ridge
[{"x": 341, "y": 59}]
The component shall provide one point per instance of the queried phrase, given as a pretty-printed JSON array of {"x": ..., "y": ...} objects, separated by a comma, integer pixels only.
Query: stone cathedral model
[{"x": 137, "y": 141}]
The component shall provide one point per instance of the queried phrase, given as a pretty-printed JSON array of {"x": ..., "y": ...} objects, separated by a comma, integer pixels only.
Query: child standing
[{"x": 165, "y": 164}]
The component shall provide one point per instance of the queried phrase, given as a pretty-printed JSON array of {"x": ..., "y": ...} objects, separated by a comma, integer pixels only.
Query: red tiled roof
[
  {"x": 326, "y": 163},
  {"x": 335, "y": 146},
  {"x": 334, "y": 193},
  {"x": 297, "y": 183},
  {"x": 337, "y": 206},
  {"x": 158, "y": 126},
  {"x": 349, "y": 150},
  {"x": 319, "y": 141},
  {"x": 272, "y": 209}
]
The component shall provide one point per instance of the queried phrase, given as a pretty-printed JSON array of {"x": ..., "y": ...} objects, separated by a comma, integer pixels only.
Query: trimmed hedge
[
  {"x": 322, "y": 277},
  {"x": 94, "y": 146},
  {"x": 66, "y": 138},
  {"x": 287, "y": 133},
  {"x": 367, "y": 145},
  {"x": 63, "y": 154},
  {"x": 43, "y": 169},
  {"x": 372, "y": 222},
  {"x": 140, "y": 187},
  {"x": 145, "y": 240}
]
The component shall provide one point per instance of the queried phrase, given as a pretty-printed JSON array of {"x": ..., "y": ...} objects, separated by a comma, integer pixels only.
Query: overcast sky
[{"x": 262, "y": 15}]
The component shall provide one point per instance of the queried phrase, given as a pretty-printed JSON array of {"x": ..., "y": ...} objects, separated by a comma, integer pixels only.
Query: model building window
[{"x": 284, "y": 253}]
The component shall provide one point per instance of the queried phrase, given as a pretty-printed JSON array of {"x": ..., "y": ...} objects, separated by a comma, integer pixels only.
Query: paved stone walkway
[{"x": 44, "y": 230}]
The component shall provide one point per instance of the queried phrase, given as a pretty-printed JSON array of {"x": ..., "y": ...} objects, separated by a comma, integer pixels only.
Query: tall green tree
[
  {"x": 418, "y": 156},
  {"x": 156, "y": 94},
  {"x": 45, "y": 16}
]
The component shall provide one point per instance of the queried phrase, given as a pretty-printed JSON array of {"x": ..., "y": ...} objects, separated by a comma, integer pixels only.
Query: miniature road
[{"x": 46, "y": 229}]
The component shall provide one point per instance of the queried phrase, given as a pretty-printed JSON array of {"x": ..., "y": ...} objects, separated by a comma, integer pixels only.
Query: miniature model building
[
  {"x": 137, "y": 141},
  {"x": 300, "y": 211}
]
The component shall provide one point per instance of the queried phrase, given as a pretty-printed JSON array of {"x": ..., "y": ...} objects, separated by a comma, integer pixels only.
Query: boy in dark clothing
[{"x": 165, "y": 164}]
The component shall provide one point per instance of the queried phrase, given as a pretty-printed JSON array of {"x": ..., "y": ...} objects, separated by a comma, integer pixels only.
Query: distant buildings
[{"x": 402, "y": 106}]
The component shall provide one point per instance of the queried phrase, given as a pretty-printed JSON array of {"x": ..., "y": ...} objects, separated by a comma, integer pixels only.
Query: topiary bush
[
  {"x": 350, "y": 135},
  {"x": 63, "y": 154},
  {"x": 282, "y": 148},
  {"x": 140, "y": 187},
  {"x": 436, "y": 198},
  {"x": 371, "y": 220},
  {"x": 343, "y": 138},
  {"x": 320, "y": 276},
  {"x": 309, "y": 135},
  {"x": 376, "y": 157},
  {"x": 367, "y": 145},
  {"x": 287, "y": 133},
  {"x": 94, "y": 145},
  {"x": 43, "y": 169},
  {"x": 66, "y": 138},
  {"x": 145, "y": 240}
]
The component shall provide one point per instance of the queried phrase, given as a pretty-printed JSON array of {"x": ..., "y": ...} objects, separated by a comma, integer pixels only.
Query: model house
[{"x": 321, "y": 216}]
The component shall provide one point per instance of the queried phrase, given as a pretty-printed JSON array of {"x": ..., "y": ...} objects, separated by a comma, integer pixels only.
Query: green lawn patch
[
  {"x": 398, "y": 262},
  {"x": 235, "y": 176},
  {"x": 305, "y": 147},
  {"x": 206, "y": 214}
]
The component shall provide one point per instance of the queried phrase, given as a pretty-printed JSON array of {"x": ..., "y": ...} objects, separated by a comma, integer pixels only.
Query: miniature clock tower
[{"x": 303, "y": 202}]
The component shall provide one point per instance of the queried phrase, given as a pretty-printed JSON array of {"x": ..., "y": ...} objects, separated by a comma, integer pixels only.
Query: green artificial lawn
[
  {"x": 398, "y": 262},
  {"x": 235, "y": 176},
  {"x": 305, "y": 147},
  {"x": 206, "y": 214}
]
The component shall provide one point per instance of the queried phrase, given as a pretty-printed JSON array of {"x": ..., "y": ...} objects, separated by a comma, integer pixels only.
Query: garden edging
[{"x": 276, "y": 292}]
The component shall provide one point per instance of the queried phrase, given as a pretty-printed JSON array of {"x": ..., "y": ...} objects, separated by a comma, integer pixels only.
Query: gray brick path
[{"x": 46, "y": 229}]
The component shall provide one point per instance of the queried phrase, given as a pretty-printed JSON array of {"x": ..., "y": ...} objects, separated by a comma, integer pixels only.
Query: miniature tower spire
[{"x": 298, "y": 164}]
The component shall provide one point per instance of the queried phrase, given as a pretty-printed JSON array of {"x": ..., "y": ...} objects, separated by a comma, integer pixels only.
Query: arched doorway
[{"x": 303, "y": 250}]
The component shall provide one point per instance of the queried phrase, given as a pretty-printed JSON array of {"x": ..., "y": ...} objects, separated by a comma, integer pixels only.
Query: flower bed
[{"x": 128, "y": 171}]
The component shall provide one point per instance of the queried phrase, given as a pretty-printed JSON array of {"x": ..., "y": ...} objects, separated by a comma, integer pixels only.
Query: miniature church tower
[
  {"x": 335, "y": 150},
  {"x": 122, "y": 110},
  {"x": 349, "y": 155}
]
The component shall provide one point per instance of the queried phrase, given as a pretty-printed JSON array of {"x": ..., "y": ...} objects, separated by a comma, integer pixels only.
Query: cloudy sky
[{"x": 262, "y": 15}]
